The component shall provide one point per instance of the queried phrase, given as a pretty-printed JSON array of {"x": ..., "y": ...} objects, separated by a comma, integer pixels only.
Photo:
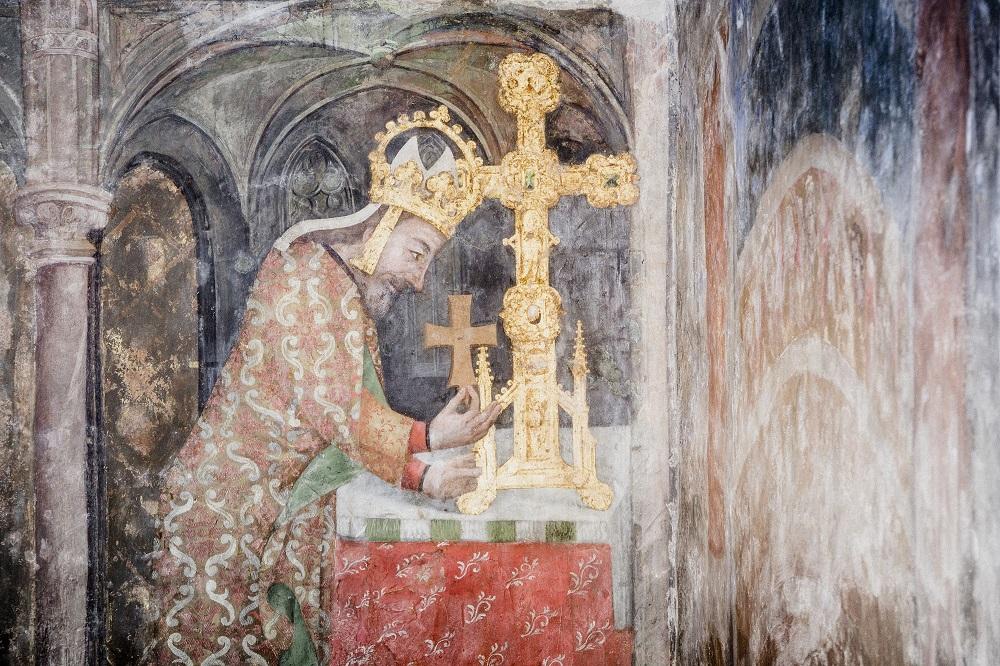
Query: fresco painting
[{"x": 552, "y": 332}]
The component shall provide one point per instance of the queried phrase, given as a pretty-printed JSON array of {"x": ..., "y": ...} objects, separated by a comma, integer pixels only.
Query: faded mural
[
  {"x": 149, "y": 283},
  {"x": 558, "y": 332},
  {"x": 826, "y": 518}
]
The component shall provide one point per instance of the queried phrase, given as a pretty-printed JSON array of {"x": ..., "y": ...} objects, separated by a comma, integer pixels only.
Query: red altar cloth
[{"x": 484, "y": 604}]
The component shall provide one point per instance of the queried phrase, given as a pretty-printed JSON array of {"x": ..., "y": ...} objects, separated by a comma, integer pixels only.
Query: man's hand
[
  {"x": 460, "y": 422},
  {"x": 453, "y": 477}
]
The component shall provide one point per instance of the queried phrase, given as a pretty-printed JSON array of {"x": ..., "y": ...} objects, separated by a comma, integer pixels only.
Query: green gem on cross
[{"x": 529, "y": 180}]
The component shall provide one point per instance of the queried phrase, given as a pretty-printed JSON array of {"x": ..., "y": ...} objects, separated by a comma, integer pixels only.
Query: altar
[{"x": 545, "y": 572}]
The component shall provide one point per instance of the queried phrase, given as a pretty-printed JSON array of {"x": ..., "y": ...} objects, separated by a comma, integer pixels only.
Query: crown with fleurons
[{"x": 442, "y": 195}]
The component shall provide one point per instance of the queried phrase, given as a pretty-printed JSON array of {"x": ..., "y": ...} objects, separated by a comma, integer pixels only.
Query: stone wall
[
  {"x": 16, "y": 506},
  {"x": 826, "y": 176}
]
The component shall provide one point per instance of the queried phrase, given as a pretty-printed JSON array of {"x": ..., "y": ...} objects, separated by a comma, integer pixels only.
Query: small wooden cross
[{"x": 461, "y": 336}]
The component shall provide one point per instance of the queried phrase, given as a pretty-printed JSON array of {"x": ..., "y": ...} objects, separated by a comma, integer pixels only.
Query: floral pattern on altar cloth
[{"x": 482, "y": 604}]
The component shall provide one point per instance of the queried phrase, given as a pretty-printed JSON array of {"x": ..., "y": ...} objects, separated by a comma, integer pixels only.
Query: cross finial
[{"x": 461, "y": 336}]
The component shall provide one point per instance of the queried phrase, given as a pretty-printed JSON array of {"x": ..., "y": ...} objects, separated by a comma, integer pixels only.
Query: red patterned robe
[{"x": 248, "y": 509}]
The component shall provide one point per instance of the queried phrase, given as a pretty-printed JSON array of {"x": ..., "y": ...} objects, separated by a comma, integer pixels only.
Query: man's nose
[{"x": 417, "y": 279}]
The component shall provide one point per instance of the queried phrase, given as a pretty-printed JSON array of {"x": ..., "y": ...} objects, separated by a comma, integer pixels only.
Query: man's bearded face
[
  {"x": 381, "y": 291},
  {"x": 403, "y": 264}
]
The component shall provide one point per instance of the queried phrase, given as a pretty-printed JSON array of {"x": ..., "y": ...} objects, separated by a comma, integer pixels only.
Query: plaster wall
[{"x": 834, "y": 267}]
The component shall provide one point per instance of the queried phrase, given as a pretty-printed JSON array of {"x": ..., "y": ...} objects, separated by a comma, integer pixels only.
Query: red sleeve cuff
[
  {"x": 418, "y": 437},
  {"x": 413, "y": 475}
]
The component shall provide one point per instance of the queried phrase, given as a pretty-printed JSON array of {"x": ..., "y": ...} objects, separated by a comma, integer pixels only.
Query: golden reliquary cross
[
  {"x": 461, "y": 336},
  {"x": 530, "y": 180}
]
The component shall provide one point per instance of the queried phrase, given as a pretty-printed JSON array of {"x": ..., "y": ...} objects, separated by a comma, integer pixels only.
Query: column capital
[
  {"x": 74, "y": 42},
  {"x": 62, "y": 216}
]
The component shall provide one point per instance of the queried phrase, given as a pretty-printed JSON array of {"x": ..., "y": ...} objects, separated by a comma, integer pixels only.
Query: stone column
[
  {"x": 63, "y": 206},
  {"x": 652, "y": 61}
]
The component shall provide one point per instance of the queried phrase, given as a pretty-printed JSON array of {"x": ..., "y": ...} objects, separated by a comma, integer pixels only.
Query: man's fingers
[
  {"x": 456, "y": 400},
  {"x": 477, "y": 431},
  {"x": 484, "y": 415},
  {"x": 460, "y": 403},
  {"x": 458, "y": 488},
  {"x": 464, "y": 460},
  {"x": 463, "y": 483},
  {"x": 473, "y": 399},
  {"x": 484, "y": 421},
  {"x": 465, "y": 473},
  {"x": 488, "y": 415}
]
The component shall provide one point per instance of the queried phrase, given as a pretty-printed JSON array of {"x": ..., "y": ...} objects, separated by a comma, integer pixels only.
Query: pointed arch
[
  {"x": 174, "y": 171},
  {"x": 316, "y": 183},
  {"x": 822, "y": 409},
  {"x": 155, "y": 347},
  {"x": 283, "y": 119}
]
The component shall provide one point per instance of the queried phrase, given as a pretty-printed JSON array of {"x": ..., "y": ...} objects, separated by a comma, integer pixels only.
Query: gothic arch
[
  {"x": 178, "y": 54},
  {"x": 473, "y": 120},
  {"x": 468, "y": 111},
  {"x": 317, "y": 183},
  {"x": 332, "y": 68},
  {"x": 173, "y": 52},
  {"x": 156, "y": 205},
  {"x": 821, "y": 374},
  {"x": 118, "y": 161},
  {"x": 154, "y": 298},
  {"x": 825, "y": 153},
  {"x": 183, "y": 148},
  {"x": 437, "y": 30},
  {"x": 870, "y": 230},
  {"x": 208, "y": 351}
]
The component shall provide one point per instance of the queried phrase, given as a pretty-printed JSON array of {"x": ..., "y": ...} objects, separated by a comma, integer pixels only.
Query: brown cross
[{"x": 461, "y": 336}]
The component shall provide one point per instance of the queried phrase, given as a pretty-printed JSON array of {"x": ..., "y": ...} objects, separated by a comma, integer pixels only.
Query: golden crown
[{"x": 443, "y": 199}]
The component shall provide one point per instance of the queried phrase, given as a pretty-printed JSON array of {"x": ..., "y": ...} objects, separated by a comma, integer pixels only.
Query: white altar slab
[{"x": 368, "y": 508}]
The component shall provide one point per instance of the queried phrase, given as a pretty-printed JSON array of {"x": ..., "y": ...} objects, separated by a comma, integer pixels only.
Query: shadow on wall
[{"x": 151, "y": 363}]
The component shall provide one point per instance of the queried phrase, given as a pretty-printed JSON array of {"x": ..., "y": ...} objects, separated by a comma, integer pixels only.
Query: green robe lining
[{"x": 323, "y": 475}]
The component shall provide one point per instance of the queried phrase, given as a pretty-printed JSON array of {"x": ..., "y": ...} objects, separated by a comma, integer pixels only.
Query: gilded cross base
[{"x": 537, "y": 462}]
